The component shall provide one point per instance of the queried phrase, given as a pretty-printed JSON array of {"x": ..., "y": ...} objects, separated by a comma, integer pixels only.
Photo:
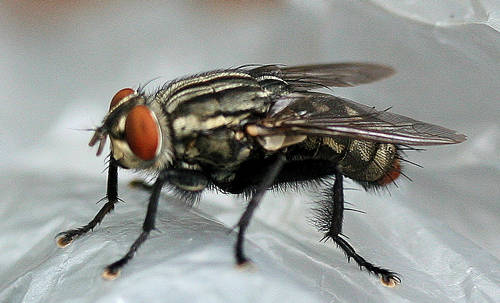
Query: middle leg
[{"x": 266, "y": 182}]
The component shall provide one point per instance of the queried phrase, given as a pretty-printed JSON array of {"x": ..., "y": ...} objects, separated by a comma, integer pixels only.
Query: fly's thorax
[
  {"x": 220, "y": 149},
  {"x": 138, "y": 132},
  {"x": 213, "y": 140},
  {"x": 207, "y": 115}
]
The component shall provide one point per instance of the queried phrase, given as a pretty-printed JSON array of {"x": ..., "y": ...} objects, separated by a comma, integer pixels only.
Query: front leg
[
  {"x": 66, "y": 237},
  {"x": 330, "y": 220},
  {"x": 188, "y": 178}
]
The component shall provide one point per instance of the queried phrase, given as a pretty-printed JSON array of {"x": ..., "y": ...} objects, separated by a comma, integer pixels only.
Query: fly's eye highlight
[
  {"x": 120, "y": 95},
  {"x": 141, "y": 132}
]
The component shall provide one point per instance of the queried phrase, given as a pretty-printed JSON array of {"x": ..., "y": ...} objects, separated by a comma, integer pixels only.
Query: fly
[{"x": 253, "y": 128}]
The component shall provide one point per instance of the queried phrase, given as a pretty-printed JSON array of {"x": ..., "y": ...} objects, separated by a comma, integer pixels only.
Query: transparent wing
[
  {"x": 312, "y": 113},
  {"x": 325, "y": 75}
]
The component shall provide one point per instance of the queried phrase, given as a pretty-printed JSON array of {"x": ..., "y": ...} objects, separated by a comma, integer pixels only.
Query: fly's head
[{"x": 137, "y": 130}]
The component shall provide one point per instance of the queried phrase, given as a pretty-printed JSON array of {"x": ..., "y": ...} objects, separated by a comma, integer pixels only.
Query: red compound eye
[
  {"x": 120, "y": 95},
  {"x": 141, "y": 130}
]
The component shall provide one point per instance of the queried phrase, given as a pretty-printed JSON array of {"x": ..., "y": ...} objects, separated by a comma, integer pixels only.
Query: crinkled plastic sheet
[
  {"x": 60, "y": 63},
  {"x": 446, "y": 12}
]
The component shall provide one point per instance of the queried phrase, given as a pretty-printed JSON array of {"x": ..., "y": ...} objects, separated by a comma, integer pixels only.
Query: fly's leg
[
  {"x": 266, "y": 182},
  {"x": 330, "y": 219},
  {"x": 113, "y": 270},
  {"x": 66, "y": 237}
]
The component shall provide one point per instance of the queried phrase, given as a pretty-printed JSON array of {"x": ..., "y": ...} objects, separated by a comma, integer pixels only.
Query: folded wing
[
  {"x": 311, "y": 113},
  {"x": 306, "y": 77}
]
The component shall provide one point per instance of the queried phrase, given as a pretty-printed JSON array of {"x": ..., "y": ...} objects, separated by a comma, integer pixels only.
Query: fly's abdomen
[
  {"x": 367, "y": 162},
  {"x": 370, "y": 163}
]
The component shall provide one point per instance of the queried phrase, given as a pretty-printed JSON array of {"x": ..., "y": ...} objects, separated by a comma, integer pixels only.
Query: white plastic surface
[
  {"x": 61, "y": 64},
  {"x": 446, "y": 12}
]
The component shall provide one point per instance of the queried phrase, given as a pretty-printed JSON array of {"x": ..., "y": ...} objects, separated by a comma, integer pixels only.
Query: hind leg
[
  {"x": 330, "y": 220},
  {"x": 244, "y": 221}
]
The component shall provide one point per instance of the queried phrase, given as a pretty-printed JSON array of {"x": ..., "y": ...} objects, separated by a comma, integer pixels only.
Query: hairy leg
[
  {"x": 330, "y": 220},
  {"x": 266, "y": 182},
  {"x": 192, "y": 178},
  {"x": 66, "y": 237}
]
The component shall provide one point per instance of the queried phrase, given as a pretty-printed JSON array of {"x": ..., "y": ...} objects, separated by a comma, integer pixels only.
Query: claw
[
  {"x": 110, "y": 274},
  {"x": 63, "y": 240},
  {"x": 390, "y": 280},
  {"x": 246, "y": 265}
]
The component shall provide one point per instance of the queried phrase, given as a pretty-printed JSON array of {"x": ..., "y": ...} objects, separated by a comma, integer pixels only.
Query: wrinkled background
[{"x": 61, "y": 62}]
